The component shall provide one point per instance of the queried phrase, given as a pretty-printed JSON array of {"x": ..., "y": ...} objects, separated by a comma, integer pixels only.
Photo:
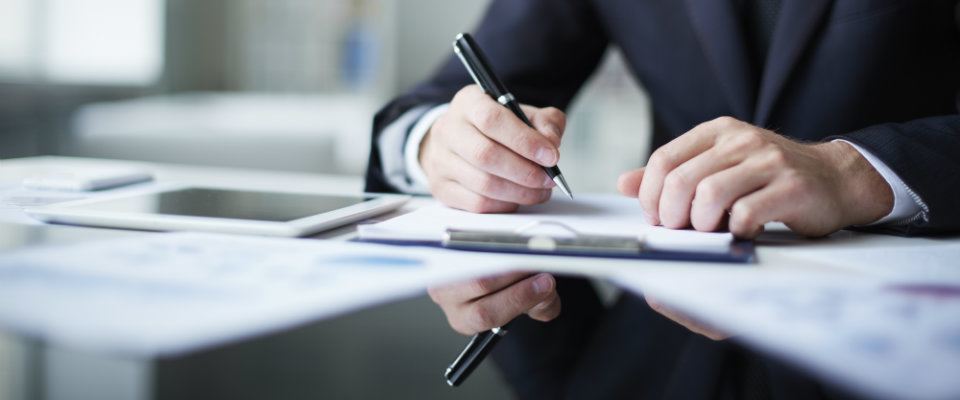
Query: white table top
[{"x": 781, "y": 254}]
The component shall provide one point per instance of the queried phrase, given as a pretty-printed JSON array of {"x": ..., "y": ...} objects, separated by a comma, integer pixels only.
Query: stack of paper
[{"x": 589, "y": 214}]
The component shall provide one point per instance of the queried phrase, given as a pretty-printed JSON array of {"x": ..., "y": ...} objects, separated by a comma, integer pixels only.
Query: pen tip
[{"x": 562, "y": 184}]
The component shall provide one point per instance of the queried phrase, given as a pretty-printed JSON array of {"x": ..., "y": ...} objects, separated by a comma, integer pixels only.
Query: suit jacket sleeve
[
  {"x": 925, "y": 154},
  {"x": 543, "y": 50}
]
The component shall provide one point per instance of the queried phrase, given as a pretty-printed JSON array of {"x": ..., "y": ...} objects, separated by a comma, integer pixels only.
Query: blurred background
[
  {"x": 286, "y": 85},
  {"x": 275, "y": 84}
]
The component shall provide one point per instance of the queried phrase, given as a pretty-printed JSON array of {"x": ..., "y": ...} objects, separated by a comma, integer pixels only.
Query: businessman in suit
[{"x": 822, "y": 114}]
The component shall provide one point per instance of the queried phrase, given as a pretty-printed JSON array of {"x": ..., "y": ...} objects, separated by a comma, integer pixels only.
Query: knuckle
[
  {"x": 485, "y": 154},
  {"x": 676, "y": 180},
  {"x": 725, "y": 121},
  {"x": 708, "y": 191},
  {"x": 737, "y": 142},
  {"x": 751, "y": 137},
  {"x": 554, "y": 114},
  {"x": 464, "y": 95},
  {"x": 775, "y": 156},
  {"x": 485, "y": 117},
  {"x": 469, "y": 90},
  {"x": 661, "y": 159}
]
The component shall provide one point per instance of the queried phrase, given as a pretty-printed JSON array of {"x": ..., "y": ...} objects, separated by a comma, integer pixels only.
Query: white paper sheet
[
  {"x": 877, "y": 338},
  {"x": 171, "y": 293},
  {"x": 590, "y": 214},
  {"x": 936, "y": 263}
]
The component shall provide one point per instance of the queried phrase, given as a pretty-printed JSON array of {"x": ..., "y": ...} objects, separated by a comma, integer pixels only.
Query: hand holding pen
[
  {"x": 507, "y": 141},
  {"x": 481, "y": 156},
  {"x": 484, "y": 307}
]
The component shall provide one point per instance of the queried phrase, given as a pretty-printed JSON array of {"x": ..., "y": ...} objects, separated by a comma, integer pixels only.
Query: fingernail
[
  {"x": 547, "y": 182},
  {"x": 546, "y": 156},
  {"x": 541, "y": 285}
]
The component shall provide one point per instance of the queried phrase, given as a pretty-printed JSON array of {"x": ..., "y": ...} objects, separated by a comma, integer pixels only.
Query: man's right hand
[
  {"x": 487, "y": 303},
  {"x": 479, "y": 157}
]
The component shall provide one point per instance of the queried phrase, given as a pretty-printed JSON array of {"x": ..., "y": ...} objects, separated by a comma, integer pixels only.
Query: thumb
[
  {"x": 549, "y": 121},
  {"x": 629, "y": 182}
]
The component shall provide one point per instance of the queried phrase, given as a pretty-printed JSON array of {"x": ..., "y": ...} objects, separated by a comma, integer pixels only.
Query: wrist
[{"x": 865, "y": 196}]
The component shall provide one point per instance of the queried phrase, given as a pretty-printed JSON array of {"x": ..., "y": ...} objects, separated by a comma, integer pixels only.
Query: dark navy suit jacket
[{"x": 884, "y": 74}]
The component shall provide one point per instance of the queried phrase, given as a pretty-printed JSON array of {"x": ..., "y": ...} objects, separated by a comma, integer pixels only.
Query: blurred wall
[
  {"x": 426, "y": 31},
  {"x": 361, "y": 52}
]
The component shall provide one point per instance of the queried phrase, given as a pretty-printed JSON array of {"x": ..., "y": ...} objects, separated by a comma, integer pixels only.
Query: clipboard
[{"x": 525, "y": 240}]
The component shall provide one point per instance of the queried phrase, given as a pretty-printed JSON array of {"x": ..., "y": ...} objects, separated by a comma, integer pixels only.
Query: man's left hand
[{"x": 728, "y": 172}]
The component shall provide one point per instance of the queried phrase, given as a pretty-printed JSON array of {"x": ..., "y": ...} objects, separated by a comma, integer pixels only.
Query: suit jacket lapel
[
  {"x": 798, "y": 22},
  {"x": 718, "y": 28}
]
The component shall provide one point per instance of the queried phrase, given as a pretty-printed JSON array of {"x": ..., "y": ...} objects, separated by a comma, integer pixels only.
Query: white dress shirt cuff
[
  {"x": 390, "y": 144},
  {"x": 906, "y": 205},
  {"x": 411, "y": 150}
]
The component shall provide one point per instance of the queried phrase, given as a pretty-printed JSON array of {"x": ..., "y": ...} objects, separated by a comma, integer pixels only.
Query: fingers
[
  {"x": 474, "y": 289},
  {"x": 492, "y": 186},
  {"x": 455, "y": 195},
  {"x": 716, "y": 193},
  {"x": 480, "y": 157},
  {"x": 680, "y": 184},
  {"x": 547, "y": 310},
  {"x": 551, "y": 122},
  {"x": 492, "y": 157},
  {"x": 673, "y": 154},
  {"x": 499, "y": 124},
  {"x": 749, "y": 213},
  {"x": 629, "y": 182},
  {"x": 503, "y": 306},
  {"x": 756, "y": 174}
]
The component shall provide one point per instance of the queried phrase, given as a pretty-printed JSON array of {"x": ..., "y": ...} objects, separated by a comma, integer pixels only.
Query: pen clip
[{"x": 466, "y": 64}]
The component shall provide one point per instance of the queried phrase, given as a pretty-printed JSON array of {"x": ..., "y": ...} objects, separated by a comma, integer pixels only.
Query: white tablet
[{"x": 220, "y": 210}]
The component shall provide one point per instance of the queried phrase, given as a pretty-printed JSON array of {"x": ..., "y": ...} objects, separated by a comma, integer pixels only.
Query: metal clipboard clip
[{"x": 525, "y": 240}]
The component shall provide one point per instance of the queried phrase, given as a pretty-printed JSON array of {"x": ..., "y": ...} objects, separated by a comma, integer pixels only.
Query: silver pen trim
[{"x": 562, "y": 184}]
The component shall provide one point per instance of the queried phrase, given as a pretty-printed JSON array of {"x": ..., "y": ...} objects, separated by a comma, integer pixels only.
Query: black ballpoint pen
[
  {"x": 476, "y": 63},
  {"x": 471, "y": 356}
]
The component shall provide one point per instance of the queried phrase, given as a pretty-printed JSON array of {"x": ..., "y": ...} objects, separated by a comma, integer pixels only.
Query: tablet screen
[{"x": 231, "y": 204}]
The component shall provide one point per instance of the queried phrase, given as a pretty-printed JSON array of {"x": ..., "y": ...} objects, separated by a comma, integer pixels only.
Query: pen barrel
[
  {"x": 480, "y": 345},
  {"x": 514, "y": 107}
]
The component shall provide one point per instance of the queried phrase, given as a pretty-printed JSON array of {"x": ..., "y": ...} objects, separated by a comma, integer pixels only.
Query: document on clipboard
[{"x": 591, "y": 225}]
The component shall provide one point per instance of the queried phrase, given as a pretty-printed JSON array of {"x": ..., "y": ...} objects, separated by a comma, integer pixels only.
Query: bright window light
[
  {"x": 114, "y": 42},
  {"x": 103, "y": 41},
  {"x": 15, "y": 37}
]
